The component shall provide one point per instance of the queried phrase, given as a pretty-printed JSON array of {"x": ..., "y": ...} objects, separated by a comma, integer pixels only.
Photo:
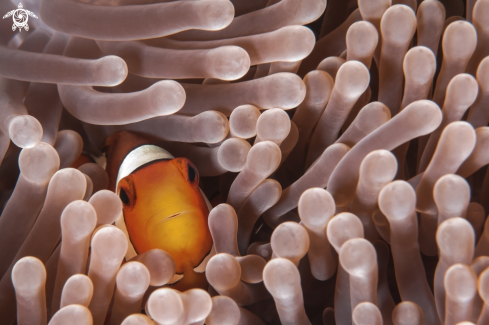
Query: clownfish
[{"x": 162, "y": 205}]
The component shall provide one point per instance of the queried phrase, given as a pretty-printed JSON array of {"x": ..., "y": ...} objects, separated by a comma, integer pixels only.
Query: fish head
[{"x": 163, "y": 207}]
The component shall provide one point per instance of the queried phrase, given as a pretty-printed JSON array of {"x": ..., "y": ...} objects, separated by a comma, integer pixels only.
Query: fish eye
[
  {"x": 124, "y": 197},
  {"x": 191, "y": 173}
]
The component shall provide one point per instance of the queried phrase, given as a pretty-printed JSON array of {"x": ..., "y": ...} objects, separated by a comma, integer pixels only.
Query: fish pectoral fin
[
  {"x": 201, "y": 267},
  {"x": 177, "y": 277}
]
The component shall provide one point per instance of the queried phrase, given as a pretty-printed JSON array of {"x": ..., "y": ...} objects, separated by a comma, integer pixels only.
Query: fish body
[{"x": 163, "y": 206}]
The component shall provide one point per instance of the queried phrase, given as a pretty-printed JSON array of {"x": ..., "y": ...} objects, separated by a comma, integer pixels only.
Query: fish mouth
[
  {"x": 173, "y": 216},
  {"x": 159, "y": 218}
]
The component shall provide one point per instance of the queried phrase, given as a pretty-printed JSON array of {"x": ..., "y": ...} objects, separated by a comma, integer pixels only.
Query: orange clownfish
[{"x": 163, "y": 206}]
